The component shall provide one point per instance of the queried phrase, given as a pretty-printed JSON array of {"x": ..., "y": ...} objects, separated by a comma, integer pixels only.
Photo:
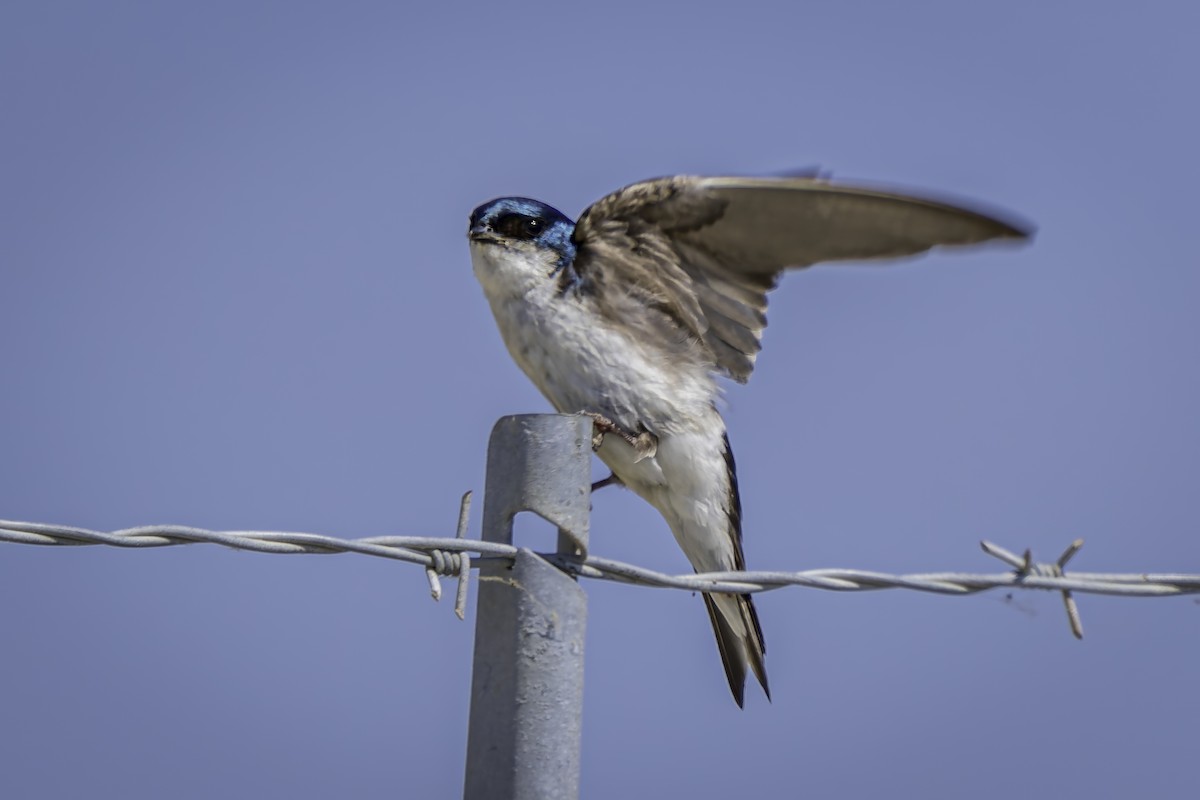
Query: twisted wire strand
[{"x": 422, "y": 549}]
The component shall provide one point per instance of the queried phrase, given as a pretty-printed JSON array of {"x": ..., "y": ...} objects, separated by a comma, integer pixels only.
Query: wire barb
[
  {"x": 1024, "y": 566},
  {"x": 464, "y": 562},
  {"x": 456, "y": 564}
]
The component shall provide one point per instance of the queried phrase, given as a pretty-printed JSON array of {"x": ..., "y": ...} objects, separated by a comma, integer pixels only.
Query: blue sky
[{"x": 237, "y": 294}]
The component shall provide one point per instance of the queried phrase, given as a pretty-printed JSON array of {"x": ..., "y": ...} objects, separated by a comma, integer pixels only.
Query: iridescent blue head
[{"x": 522, "y": 222}]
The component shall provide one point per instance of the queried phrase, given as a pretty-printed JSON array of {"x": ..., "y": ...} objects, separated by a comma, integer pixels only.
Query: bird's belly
[{"x": 582, "y": 361}]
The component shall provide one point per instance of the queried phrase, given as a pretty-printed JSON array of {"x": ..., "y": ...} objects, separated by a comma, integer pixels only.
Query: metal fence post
[{"x": 527, "y": 677}]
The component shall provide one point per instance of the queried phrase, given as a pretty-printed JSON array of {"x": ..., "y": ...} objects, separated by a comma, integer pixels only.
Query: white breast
[{"x": 581, "y": 361}]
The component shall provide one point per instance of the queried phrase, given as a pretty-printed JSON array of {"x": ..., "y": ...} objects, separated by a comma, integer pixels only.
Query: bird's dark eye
[{"x": 519, "y": 226}]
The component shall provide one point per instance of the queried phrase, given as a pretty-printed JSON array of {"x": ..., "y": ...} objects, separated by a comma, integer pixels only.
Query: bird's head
[{"x": 516, "y": 241}]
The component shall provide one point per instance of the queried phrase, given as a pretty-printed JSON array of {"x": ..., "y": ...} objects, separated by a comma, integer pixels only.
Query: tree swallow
[{"x": 633, "y": 313}]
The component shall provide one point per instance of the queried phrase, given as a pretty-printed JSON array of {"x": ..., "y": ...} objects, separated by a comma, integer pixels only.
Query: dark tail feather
[
  {"x": 741, "y": 645},
  {"x": 739, "y": 649}
]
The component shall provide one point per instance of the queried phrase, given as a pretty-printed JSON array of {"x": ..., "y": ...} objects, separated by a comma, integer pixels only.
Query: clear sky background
[{"x": 236, "y": 294}]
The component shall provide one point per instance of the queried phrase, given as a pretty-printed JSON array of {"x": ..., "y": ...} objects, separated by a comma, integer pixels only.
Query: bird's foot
[{"x": 644, "y": 443}]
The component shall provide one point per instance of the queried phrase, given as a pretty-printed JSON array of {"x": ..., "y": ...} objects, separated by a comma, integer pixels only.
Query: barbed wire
[{"x": 454, "y": 557}]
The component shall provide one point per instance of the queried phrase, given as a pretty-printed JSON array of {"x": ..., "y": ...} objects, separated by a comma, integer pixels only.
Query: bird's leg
[
  {"x": 644, "y": 443},
  {"x": 611, "y": 480}
]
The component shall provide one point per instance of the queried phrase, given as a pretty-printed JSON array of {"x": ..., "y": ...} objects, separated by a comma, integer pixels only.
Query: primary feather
[{"x": 709, "y": 249}]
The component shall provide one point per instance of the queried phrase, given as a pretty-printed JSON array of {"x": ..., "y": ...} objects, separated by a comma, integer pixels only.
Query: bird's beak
[{"x": 480, "y": 232}]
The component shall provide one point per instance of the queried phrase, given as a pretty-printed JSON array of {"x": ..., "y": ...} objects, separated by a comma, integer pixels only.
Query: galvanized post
[{"x": 527, "y": 678}]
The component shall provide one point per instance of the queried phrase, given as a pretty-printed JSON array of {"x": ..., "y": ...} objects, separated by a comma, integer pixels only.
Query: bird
[{"x": 637, "y": 313}]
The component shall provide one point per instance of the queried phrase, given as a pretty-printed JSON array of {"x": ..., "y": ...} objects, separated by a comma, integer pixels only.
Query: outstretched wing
[{"x": 704, "y": 252}]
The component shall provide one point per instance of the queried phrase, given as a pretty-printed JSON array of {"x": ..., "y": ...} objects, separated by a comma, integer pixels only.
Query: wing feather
[{"x": 704, "y": 252}]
